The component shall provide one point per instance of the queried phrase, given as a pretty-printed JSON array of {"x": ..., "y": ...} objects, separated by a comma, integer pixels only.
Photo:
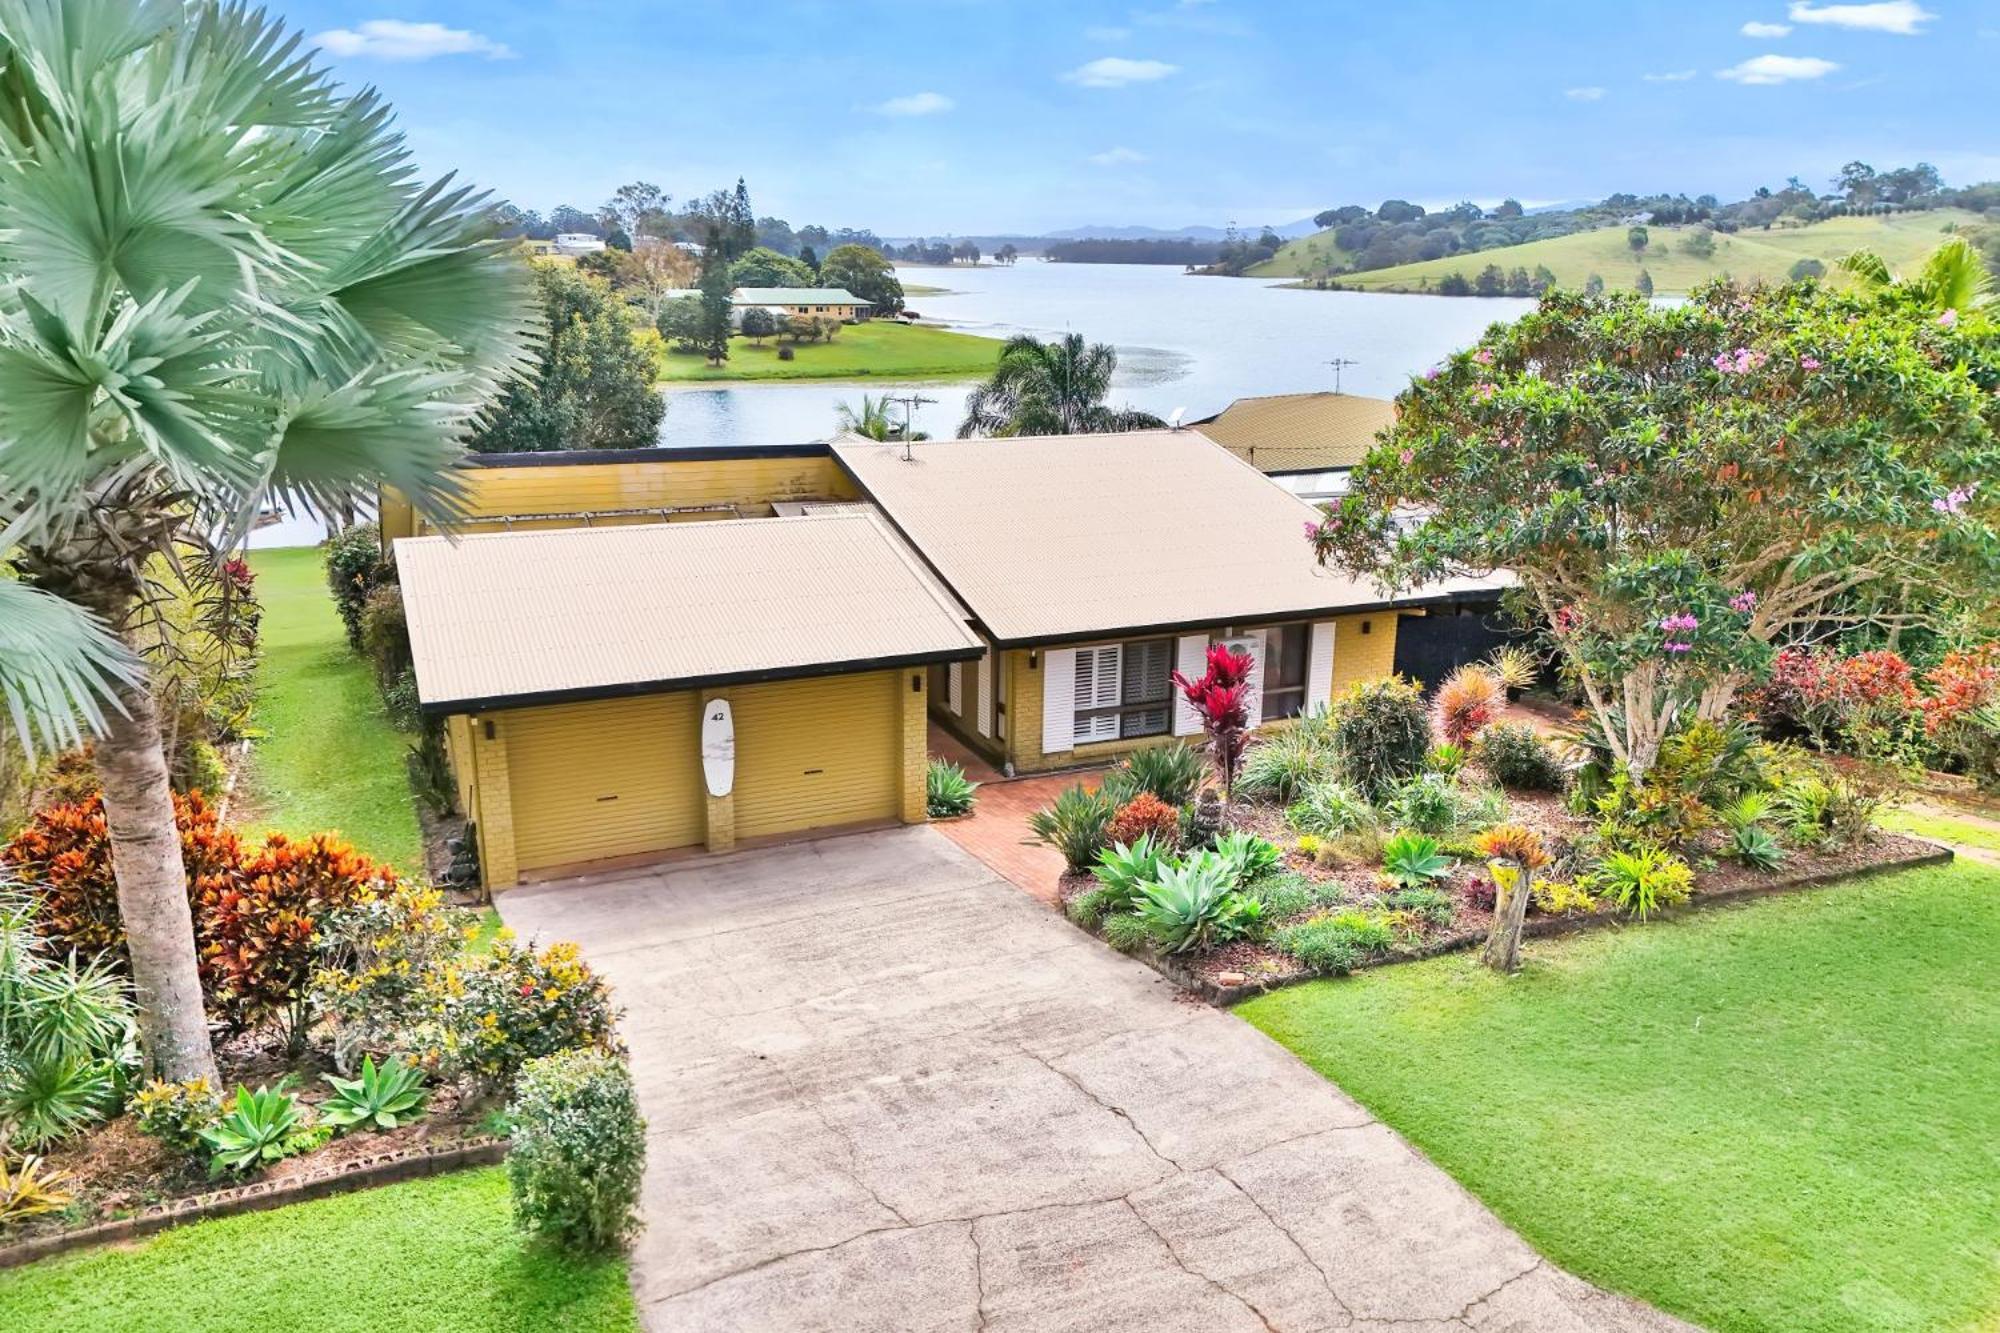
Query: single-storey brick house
[{"x": 1029, "y": 595}]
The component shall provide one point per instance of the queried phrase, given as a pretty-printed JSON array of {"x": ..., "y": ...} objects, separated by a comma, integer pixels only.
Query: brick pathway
[{"x": 997, "y": 830}]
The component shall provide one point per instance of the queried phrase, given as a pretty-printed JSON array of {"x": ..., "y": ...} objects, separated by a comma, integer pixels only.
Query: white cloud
[
  {"x": 394, "y": 39},
  {"x": 1104, "y": 34},
  {"x": 915, "y": 104},
  {"x": 1756, "y": 29},
  {"x": 1118, "y": 157},
  {"x": 1584, "y": 94},
  {"x": 1118, "y": 72},
  {"x": 1671, "y": 76},
  {"x": 1764, "y": 70},
  {"x": 1902, "y": 17}
]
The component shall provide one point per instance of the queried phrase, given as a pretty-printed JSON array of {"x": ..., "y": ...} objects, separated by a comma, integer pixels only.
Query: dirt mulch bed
[{"x": 1239, "y": 970}]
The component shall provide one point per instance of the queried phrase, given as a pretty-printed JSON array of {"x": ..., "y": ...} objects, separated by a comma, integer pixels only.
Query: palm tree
[
  {"x": 1054, "y": 388},
  {"x": 873, "y": 420},
  {"x": 1953, "y": 278},
  {"x": 219, "y": 283}
]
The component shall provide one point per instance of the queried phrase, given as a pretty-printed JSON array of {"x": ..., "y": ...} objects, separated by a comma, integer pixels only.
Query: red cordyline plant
[{"x": 1221, "y": 699}]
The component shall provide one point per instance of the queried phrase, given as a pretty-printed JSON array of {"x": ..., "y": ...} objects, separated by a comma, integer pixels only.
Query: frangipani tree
[
  {"x": 220, "y": 282},
  {"x": 1680, "y": 489}
]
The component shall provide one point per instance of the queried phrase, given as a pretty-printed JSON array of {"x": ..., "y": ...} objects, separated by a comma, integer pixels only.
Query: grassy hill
[{"x": 1902, "y": 239}]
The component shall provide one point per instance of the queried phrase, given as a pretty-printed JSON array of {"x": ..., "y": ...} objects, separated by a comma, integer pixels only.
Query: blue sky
[{"x": 1019, "y": 115}]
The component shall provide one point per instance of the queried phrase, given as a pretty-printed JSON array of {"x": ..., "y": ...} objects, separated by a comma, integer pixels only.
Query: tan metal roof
[
  {"x": 523, "y": 617},
  {"x": 1299, "y": 432},
  {"x": 1075, "y": 536}
]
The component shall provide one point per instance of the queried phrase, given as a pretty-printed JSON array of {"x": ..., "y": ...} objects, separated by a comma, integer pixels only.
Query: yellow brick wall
[
  {"x": 1359, "y": 656},
  {"x": 492, "y": 807},
  {"x": 911, "y": 684}
]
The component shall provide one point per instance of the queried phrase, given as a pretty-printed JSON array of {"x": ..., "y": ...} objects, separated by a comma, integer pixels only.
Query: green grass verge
[
  {"x": 1903, "y": 240},
  {"x": 1941, "y": 828},
  {"x": 1780, "y": 1116},
  {"x": 429, "y": 1256},
  {"x": 879, "y": 349},
  {"x": 327, "y": 757}
]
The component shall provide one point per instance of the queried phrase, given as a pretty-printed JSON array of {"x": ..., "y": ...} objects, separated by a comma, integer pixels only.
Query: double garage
[{"x": 619, "y": 693}]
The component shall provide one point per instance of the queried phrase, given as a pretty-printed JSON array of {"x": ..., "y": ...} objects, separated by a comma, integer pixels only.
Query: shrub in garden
[
  {"x": 579, "y": 1148},
  {"x": 1432, "y": 905},
  {"x": 1145, "y": 816},
  {"x": 46, "y": 1099},
  {"x": 1412, "y": 860},
  {"x": 1515, "y": 756},
  {"x": 177, "y": 1113},
  {"x": 385, "y": 632},
  {"x": 1121, "y": 869},
  {"x": 1287, "y": 895},
  {"x": 1962, "y": 712},
  {"x": 1560, "y": 897},
  {"x": 1247, "y": 855},
  {"x": 1282, "y": 764},
  {"x": 1380, "y": 732},
  {"x": 1126, "y": 932},
  {"x": 1336, "y": 943},
  {"x": 1467, "y": 702},
  {"x": 1331, "y": 809},
  {"x": 1078, "y": 824},
  {"x": 66, "y": 1030},
  {"x": 29, "y": 1188},
  {"x": 260, "y": 923},
  {"x": 400, "y": 702},
  {"x": 1480, "y": 893},
  {"x": 1642, "y": 881},
  {"x": 1427, "y": 803},
  {"x": 1822, "y": 809},
  {"x": 354, "y": 567},
  {"x": 378, "y": 961},
  {"x": 947, "y": 791},
  {"x": 379, "y": 1098},
  {"x": 1194, "y": 905},
  {"x": 1657, "y": 812},
  {"x": 1446, "y": 760},
  {"x": 1172, "y": 773},
  {"x": 514, "y": 1004},
  {"x": 259, "y": 1128}
]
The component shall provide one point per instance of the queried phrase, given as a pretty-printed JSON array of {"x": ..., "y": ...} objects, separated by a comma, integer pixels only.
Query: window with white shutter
[
  {"x": 1124, "y": 690},
  {"x": 1097, "y": 693}
]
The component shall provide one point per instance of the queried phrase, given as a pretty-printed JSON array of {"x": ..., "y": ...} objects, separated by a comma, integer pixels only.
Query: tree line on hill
[
  {"x": 1093, "y": 250},
  {"x": 1400, "y": 232},
  {"x": 947, "y": 251}
]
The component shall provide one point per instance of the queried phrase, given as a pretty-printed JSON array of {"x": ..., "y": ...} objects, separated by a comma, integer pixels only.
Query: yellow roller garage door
[
  {"x": 817, "y": 753},
  {"x": 611, "y": 778}
]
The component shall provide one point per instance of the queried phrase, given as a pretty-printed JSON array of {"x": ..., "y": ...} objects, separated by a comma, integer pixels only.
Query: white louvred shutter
[
  {"x": 1098, "y": 681},
  {"x": 1058, "y": 700},
  {"x": 1319, "y": 668},
  {"x": 1191, "y": 659},
  {"x": 982, "y": 694},
  {"x": 1253, "y": 699},
  {"x": 954, "y": 687}
]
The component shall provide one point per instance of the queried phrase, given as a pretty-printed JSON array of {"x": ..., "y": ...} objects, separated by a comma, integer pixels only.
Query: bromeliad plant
[
  {"x": 379, "y": 1099},
  {"x": 1220, "y": 697}
]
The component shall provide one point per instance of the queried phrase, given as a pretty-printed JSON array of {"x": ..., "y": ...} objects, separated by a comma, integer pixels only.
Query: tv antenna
[
  {"x": 911, "y": 402},
  {"x": 1340, "y": 363}
]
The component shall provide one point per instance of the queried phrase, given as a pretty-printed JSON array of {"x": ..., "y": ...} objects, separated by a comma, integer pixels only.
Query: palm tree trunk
[{"x": 152, "y": 891}]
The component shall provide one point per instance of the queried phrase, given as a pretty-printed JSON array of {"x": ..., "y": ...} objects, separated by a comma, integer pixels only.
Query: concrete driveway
[{"x": 886, "y": 1090}]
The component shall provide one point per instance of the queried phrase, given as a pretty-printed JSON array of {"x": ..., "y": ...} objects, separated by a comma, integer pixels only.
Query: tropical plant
[
  {"x": 258, "y": 300},
  {"x": 1753, "y": 845},
  {"x": 1281, "y": 765},
  {"x": 1427, "y": 803},
  {"x": 1194, "y": 906},
  {"x": 1412, "y": 860},
  {"x": 1825, "y": 809},
  {"x": 1560, "y": 446},
  {"x": 1515, "y": 843},
  {"x": 1247, "y": 855},
  {"x": 177, "y": 1113},
  {"x": 259, "y": 1128},
  {"x": 1515, "y": 756},
  {"x": 1078, "y": 824},
  {"x": 1446, "y": 760},
  {"x": 1055, "y": 388},
  {"x": 1515, "y": 667},
  {"x": 1122, "y": 869},
  {"x": 380, "y": 1098},
  {"x": 1468, "y": 700},
  {"x": 1954, "y": 278},
  {"x": 1331, "y": 809},
  {"x": 1171, "y": 772},
  {"x": 578, "y": 1150},
  {"x": 30, "y": 1187},
  {"x": 871, "y": 420},
  {"x": 947, "y": 791},
  {"x": 514, "y": 1003},
  {"x": 1145, "y": 815},
  {"x": 1642, "y": 881},
  {"x": 1380, "y": 732},
  {"x": 1561, "y": 897},
  {"x": 47, "y": 1098},
  {"x": 1220, "y": 697}
]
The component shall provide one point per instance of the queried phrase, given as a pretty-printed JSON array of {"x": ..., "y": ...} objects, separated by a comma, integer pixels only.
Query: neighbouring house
[
  {"x": 1309, "y": 443},
  {"x": 1030, "y": 595},
  {"x": 576, "y": 243},
  {"x": 823, "y": 303},
  {"x": 1306, "y": 442}
]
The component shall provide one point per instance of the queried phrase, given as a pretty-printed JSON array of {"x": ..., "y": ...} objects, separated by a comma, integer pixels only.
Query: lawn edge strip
[{"x": 348, "y": 1177}]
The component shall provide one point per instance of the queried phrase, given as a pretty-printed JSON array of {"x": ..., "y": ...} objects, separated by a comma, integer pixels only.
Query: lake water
[{"x": 1183, "y": 342}]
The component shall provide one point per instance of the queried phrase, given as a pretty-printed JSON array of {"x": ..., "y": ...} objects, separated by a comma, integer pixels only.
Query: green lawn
[
  {"x": 327, "y": 757},
  {"x": 1781, "y": 1116},
  {"x": 880, "y": 348},
  {"x": 1942, "y": 828},
  {"x": 429, "y": 1256},
  {"x": 1903, "y": 239}
]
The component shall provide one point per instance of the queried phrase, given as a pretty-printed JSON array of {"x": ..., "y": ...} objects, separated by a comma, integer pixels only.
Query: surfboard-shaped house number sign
[{"x": 718, "y": 747}]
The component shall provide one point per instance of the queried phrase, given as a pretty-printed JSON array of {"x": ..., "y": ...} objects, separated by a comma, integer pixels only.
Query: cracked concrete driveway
[{"x": 887, "y": 1090}]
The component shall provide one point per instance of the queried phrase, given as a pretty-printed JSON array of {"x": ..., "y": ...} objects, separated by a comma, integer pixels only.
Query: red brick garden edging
[{"x": 354, "y": 1174}]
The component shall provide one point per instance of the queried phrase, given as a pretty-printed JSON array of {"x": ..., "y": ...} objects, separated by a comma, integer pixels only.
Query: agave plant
[
  {"x": 947, "y": 791},
  {"x": 1121, "y": 871},
  {"x": 258, "y": 1127},
  {"x": 1412, "y": 860},
  {"x": 220, "y": 284},
  {"x": 1247, "y": 855},
  {"x": 379, "y": 1099},
  {"x": 1194, "y": 906}
]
